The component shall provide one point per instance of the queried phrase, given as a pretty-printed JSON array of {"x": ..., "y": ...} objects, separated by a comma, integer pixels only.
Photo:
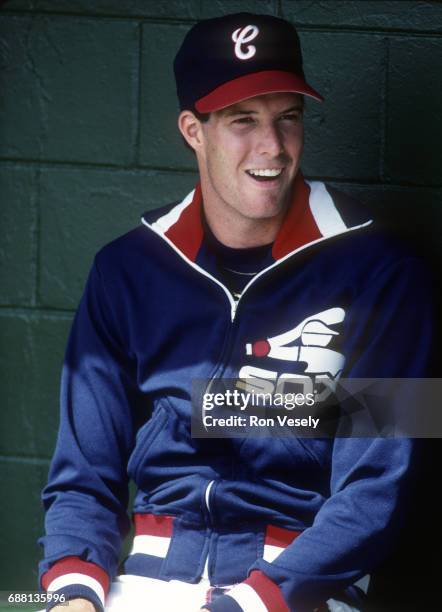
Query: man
[{"x": 256, "y": 274}]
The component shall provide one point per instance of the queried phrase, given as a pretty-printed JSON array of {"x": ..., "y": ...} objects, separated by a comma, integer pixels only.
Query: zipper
[{"x": 205, "y": 573}]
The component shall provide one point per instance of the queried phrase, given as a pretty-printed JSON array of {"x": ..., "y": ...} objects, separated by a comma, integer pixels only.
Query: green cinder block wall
[{"x": 88, "y": 142}]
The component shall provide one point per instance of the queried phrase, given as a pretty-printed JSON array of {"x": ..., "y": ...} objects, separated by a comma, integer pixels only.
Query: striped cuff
[
  {"x": 256, "y": 594},
  {"x": 73, "y": 572}
]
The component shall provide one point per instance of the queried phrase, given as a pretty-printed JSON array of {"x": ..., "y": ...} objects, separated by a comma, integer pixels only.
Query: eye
[
  {"x": 243, "y": 120},
  {"x": 291, "y": 117}
]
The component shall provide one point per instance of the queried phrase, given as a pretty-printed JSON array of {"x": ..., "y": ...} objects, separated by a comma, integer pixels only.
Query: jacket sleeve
[
  {"x": 87, "y": 491},
  {"x": 390, "y": 332}
]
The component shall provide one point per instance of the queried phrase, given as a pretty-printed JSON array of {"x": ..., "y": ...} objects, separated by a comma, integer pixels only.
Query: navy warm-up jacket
[{"x": 291, "y": 521}]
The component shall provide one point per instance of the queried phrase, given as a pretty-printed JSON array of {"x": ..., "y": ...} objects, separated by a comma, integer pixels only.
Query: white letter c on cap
[{"x": 242, "y": 36}]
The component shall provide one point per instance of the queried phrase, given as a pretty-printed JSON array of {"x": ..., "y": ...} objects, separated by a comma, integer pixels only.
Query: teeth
[{"x": 266, "y": 172}]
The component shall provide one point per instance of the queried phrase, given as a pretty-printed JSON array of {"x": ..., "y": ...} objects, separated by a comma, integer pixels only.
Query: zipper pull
[
  {"x": 234, "y": 309},
  {"x": 207, "y": 495}
]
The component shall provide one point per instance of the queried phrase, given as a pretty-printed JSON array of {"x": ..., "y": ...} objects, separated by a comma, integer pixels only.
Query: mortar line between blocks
[
  {"x": 138, "y": 92},
  {"x": 383, "y": 173},
  {"x": 37, "y": 300}
]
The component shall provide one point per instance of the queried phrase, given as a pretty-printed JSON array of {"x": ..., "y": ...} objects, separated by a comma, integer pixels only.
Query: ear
[{"x": 191, "y": 129}]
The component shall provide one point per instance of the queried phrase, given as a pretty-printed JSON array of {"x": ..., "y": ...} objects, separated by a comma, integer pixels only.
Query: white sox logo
[
  {"x": 311, "y": 337},
  {"x": 242, "y": 36}
]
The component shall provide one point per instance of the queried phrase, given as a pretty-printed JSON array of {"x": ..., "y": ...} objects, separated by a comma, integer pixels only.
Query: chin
[
  {"x": 263, "y": 213},
  {"x": 267, "y": 209}
]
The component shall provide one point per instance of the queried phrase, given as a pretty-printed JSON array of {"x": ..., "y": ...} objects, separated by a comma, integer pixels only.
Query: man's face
[{"x": 250, "y": 155}]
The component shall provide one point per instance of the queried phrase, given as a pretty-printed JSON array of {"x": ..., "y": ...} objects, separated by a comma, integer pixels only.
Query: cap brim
[{"x": 255, "y": 84}]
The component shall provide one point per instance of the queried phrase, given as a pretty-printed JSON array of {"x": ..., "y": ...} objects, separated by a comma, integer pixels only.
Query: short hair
[{"x": 203, "y": 117}]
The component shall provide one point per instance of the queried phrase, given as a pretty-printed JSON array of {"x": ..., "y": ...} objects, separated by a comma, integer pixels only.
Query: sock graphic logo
[
  {"x": 306, "y": 343},
  {"x": 315, "y": 334}
]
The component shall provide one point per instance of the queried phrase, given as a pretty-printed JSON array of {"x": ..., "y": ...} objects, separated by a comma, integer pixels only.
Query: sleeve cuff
[
  {"x": 256, "y": 594},
  {"x": 88, "y": 579}
]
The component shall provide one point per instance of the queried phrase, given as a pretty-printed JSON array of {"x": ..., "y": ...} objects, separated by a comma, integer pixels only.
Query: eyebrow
[{"x": 232, "y": 112}]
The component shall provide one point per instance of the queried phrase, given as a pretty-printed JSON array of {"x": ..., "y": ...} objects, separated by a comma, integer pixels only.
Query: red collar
[{"x": 298, "y": 228}]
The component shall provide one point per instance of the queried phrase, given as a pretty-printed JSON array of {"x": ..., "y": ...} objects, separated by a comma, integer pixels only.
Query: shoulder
[
  {"x": 368, "y": 242},
  {"x": 363, "y": 255}
]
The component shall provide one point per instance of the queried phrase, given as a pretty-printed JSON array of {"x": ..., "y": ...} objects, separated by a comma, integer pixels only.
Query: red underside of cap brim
[{"x": 255, "y": 84}]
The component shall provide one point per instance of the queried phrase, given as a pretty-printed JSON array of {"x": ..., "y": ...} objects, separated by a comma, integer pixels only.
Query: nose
[{"x": 270, "y": 141}]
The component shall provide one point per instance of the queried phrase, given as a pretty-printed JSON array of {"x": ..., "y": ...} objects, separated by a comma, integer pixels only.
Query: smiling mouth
[{"x": 265, "y": 175}]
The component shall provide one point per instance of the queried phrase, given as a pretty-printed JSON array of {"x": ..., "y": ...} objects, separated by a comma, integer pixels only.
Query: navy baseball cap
[{"x": 228, "y": 59}]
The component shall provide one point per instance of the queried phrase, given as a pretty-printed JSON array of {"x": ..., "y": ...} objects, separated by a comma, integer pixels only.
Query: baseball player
[{"x": 256, "y": 275}]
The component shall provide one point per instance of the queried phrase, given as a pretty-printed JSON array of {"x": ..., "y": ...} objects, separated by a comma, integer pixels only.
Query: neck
[
  {"x": 243, "y": 233},
  {"x": 235, "y": 230}
]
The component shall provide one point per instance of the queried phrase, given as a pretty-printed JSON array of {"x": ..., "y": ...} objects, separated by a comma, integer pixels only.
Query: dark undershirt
[{"x": 236, "y": 267}]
